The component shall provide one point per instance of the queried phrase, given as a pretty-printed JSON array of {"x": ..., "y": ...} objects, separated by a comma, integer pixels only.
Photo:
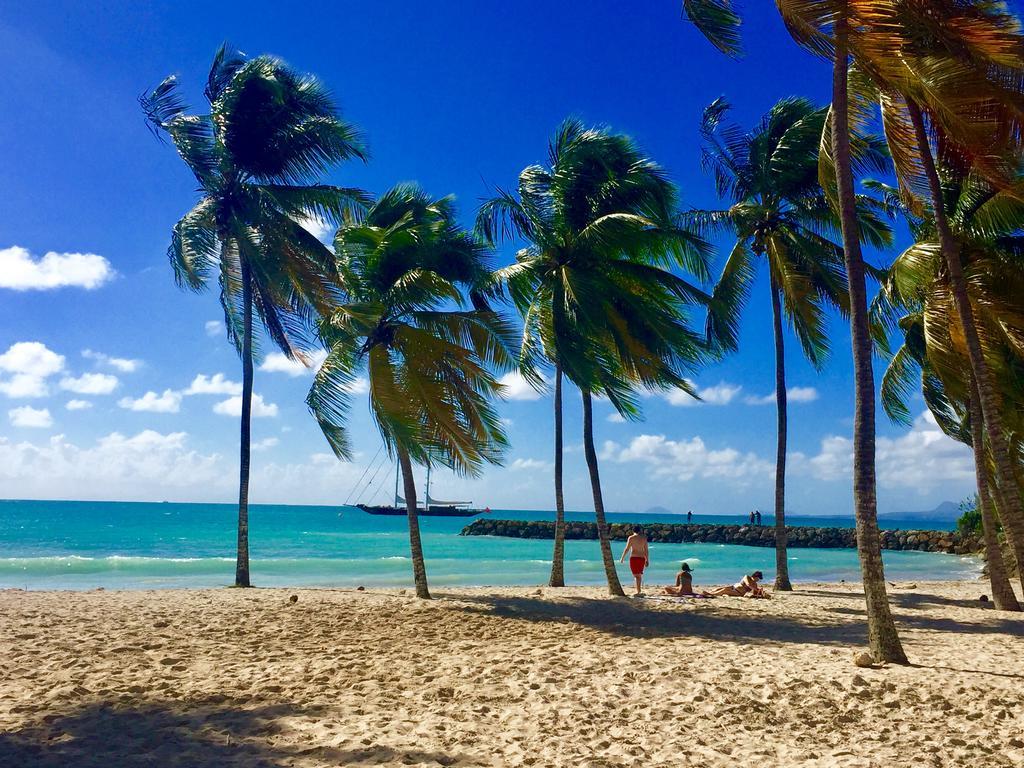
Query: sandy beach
[{"x": 503, "y": 677}]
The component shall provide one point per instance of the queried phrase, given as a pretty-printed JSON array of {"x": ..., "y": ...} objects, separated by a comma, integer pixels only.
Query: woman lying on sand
[
  {"x": 684, "y": 584},
  {"x": 746, "y": 587}
]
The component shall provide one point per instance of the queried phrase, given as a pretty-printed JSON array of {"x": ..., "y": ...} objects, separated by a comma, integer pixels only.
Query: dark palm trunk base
[
  {"x": 882, "y": 636},
  {"x": 1002, "y": 592},
  {"x": 558, "y": 556},
  {"x": 242, "y": 557},
  {"x": 419, "y": 568},
  {"x": 614, "y": 587}
]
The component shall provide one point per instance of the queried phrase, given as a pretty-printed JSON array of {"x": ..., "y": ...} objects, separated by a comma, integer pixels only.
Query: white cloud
[
  {"x": 265, "y": 444},
  {"x": 30, "y": 363},
  {"x": 214, "y": 327},
  {"x": 320, "y": 229},
  {"x": 27, "y": 416},
  {"x": 277, "y": 362},
  {"x": 90, "y": 384},
  {"x": 22, "y": 385},
  {"x": 151, "y": 402},
  {"x": 32, "y": 358},
  {"x": 77, "y": 405},
  {"x": 793, "y": 395},
  {"x": 616, "y": 418},
  {"x": 719, "y": 394},
  {"x": 217, "y": 384},
  {"x": 520, "y": 465},
  {"x": 122, "y": 364},
  {"x": 359, "y": 386},
  {"x": 20, "y": 272},
  {"x": 920, "y": 459},
  {"x": 233, "y": 407},
  {"x": 154, "y": 466},
  {"x": 687, "y": 459},
  {"x": 518, "y": 388}
]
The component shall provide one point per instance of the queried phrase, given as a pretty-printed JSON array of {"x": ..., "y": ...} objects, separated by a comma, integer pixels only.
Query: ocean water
[{"x": 127, "y": 545}]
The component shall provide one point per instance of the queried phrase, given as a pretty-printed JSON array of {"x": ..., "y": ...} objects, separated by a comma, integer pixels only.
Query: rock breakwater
[{"x": 799, "y": 536}]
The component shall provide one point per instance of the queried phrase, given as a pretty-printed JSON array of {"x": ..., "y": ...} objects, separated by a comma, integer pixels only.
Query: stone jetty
[{"x": 951, "y": 542}]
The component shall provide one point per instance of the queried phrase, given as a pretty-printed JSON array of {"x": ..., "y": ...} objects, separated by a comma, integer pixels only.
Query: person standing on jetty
[
  {"x": 757, "y": 514},
  {"x": 751, "y": 517},
  {"x": 689, "y": 516},
  {"x": 639, "y": 557}
]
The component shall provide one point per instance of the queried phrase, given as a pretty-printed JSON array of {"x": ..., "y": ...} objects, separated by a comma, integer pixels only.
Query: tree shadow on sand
[
  {"x": 714, "y": 620},
  {"x": 174, "y": 734},
  {"x": 723, "y": 619}
]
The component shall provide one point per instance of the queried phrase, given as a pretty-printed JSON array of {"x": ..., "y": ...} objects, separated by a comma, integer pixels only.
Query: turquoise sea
[{"x": 127, "y": 545}]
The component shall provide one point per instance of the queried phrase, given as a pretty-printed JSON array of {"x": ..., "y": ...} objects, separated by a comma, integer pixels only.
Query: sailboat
[{"x": 431, "y": 507}]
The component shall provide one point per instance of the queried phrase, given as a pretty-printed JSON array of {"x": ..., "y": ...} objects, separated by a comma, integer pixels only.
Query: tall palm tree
[
  {"x": 952, "y": 73},
  {"x": 269, "y": 134},
  {"x": 917, "y": 298},
  {"x": 593, "y": 286},
  {"x": 824, "y": 28},
  {"x": 779, "y": 215},
  {"x": 405, "y": 265}
]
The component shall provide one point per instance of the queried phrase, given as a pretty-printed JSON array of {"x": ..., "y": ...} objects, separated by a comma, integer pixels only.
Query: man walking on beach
[{"x": 636, "y": 546}]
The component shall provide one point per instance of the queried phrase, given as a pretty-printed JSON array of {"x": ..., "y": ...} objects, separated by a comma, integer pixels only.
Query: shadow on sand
[
  {"x": 178, "y": 734},
  {"x": 723, "y": 619}
]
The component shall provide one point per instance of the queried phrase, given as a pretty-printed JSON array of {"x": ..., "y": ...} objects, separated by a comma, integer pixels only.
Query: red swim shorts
[{"x": 637, "y": 564}]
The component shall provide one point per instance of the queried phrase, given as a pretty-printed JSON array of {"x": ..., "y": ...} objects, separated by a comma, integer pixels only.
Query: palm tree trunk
[
  {"x": 996, "y": 516},
  {"x": 614, "y": 587},
  {"x": 558, "y": 557},
  {"x": 1010, "y": 504},
  {"x": 1002, "y": 592},
  {"x": 242, "y": 557},
  {"x": 419, "y": 567},
  {"x": 883, "y": 639},
  {"x": 781, "y": 561}
]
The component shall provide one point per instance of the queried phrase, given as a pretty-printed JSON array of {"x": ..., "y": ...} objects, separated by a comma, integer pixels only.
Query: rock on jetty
[{"x": 951, "y": 542}]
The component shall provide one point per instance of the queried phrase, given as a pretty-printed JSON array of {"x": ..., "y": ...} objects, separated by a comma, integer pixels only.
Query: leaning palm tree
[
  {"x": 953, "y": 97},
  {"x": 405, "y": 265},
  {"x": 824, "y": 28},
  {"x": 598, "y": 302},
  {"x": 779, "y": 215},
  {"x": 269, "y": 134},
  {"x": 917, "y": 298}
]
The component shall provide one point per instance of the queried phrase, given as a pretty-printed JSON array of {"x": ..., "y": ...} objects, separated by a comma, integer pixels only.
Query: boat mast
[{"x": 396, "y": 484}]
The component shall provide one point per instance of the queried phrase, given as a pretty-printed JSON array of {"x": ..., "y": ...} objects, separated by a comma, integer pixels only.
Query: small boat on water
[{"x": 431, "y": 507}]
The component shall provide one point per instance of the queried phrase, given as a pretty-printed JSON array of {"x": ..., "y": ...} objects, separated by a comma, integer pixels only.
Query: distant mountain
[
  {"x": 947, "y": 510},
  {"x": 658, "y": 511}
]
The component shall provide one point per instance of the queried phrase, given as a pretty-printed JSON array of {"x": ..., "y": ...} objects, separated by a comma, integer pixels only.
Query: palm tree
[
  {"x": 958, "y": 81},
  {"x": 823, "y": 27},
  {"x": 405, "y": 264},
  {"x": 269, "y": 134},
  {"x": 918, "y": 299},
  {"x": 598, "y": 301},
  {"x": 779, "y": 215}
]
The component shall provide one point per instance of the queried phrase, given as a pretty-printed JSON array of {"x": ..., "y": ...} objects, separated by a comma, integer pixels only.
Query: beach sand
[{"x": 503, "y": 677}]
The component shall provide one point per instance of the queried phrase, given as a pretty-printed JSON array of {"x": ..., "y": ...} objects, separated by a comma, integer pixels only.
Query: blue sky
[{"x": 99, "y": 396}]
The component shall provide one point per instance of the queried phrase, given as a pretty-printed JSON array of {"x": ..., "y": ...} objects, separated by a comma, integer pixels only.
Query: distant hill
[
  {"x": 658, "y": 511},
  {"x": 947, "y": 510}
]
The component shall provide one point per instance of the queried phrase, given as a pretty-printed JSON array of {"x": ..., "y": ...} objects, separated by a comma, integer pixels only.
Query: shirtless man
[{"x": 639, "y": 558}]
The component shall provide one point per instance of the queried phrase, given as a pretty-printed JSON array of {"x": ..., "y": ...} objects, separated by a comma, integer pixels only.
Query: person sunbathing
[
  {"x": 746, "y": 587},
  {"x": 684, "y": 584}
]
